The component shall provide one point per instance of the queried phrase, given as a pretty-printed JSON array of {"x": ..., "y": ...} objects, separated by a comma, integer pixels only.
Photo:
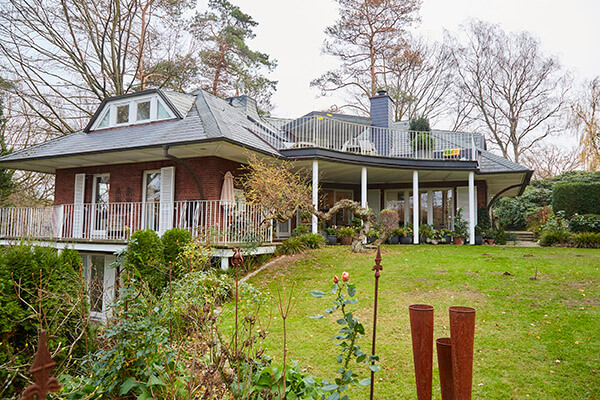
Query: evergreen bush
[
  {"x": 585, "y": 223},
  {"x": 145, "y": 253},
  {"x": 576, "y": 198},
  {"x": 174, "y": 241},
  {"x": 588, "y": 240}
]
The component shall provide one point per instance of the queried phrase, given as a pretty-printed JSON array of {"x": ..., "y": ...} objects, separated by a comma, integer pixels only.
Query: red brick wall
[{"x": 126, "y": 179}]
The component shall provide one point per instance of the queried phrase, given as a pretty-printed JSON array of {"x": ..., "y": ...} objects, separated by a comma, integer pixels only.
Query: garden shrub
[
  {"x": 195, "y": 256},
  {"x": 174, "y": 240},
  {"x": 483, "y": 218},
  {"x": 297, "y": 244},
  {"x": 551, "y": 238},
  {"x": 145, "y": 253},
  {"x": 60, "y": 304},
  {"x": 500, "y": 236},
  {"x": 588, "y": 240},
  {"x": 194, "y": 289},
  {"x": 300, "y": 230},
  {"x": 136, "y": 360},
  {"x": 585, "y": 223},
  {"x": 576, "y": 198}
]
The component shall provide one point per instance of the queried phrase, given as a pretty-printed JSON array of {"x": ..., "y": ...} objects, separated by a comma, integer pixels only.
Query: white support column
[
  {"x": 472, "y": 206},
  {"x": 406, "y": 207},
  {"x": 416, "y": 207},
  {"x": 363, "y": 187},
  {"x": 315, "y": 193},
  {"x": 224, "y": 263},
  {"x": 430, "y": 207}
]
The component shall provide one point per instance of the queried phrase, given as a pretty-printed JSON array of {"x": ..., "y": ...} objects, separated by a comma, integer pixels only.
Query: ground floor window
[
  {"x": 437, "y": 212},
  {"x": 100, "y": 277}
]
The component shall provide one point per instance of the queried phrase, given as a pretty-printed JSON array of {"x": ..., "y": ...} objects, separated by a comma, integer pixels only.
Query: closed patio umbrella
[{"x": 227, "y": 196}]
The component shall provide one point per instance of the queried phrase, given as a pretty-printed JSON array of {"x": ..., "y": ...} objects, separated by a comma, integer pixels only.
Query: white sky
[{"x": 291, "y": 31}]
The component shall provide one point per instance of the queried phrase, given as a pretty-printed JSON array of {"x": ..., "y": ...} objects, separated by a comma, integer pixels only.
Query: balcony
[
  {"x": 329, "y": 133},
  {"x": 209, "y": 220}
]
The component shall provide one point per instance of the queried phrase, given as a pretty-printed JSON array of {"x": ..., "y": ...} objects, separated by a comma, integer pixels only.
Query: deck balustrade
[{"x": 211, "y": 220}]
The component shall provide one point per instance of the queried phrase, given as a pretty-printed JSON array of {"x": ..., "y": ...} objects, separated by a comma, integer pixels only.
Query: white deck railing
[
  {"x": 333, "y": 134},
  {"x": 211, "y": 220}
]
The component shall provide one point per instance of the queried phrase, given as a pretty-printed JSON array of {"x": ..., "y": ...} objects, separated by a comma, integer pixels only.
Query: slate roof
[{"x": 208, "y": 117}]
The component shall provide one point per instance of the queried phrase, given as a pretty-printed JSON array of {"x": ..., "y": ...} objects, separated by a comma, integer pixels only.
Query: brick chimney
[
  {"x": 382, "y": 116},
  {"x": 382, "y": 110}
]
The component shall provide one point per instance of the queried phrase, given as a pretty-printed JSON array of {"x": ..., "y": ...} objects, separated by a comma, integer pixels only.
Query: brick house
[{"x": 157, "y": 159}]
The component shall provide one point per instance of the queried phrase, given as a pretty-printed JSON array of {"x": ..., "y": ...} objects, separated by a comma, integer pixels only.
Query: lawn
[{"x": 534, "y": 339}]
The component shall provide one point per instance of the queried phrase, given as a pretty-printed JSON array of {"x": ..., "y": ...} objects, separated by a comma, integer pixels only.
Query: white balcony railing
[
  {"x": 210, "y": 220},
  {"x": 333, "y": 134}
]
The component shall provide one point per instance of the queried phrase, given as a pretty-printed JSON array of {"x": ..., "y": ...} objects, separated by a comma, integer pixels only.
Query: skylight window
[
  {"x": 143, "y": 111},
  {"x": 123, "y": 114}
]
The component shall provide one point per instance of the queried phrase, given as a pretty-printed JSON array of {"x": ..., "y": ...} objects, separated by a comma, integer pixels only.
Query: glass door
[
  {"x": 99, "y": 212},
  {"x": 151, "y": 200}
]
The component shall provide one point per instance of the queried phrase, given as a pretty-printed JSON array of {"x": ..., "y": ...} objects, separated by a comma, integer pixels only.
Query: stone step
[{"x": 523, "y": 236}]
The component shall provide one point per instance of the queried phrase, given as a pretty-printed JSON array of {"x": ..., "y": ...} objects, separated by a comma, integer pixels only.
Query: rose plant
[{"x": 347, "y": 338}]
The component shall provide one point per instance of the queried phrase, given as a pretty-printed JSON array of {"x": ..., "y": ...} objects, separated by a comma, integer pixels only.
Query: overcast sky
[{"x": 291, "y": 31}]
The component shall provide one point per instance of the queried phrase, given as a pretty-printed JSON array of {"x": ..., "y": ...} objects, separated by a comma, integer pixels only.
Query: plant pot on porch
[
  {"x": 394, "y": 239},
  {"x": 371, "y": 239},
  {"x": 478, "y": 240},
  {"x": 406, "y": 239},
  {"x": 490, "y": 241},
  {"x": 447, "y": 239},
  {"x": 331, "y": 239},
  {"x": 423, "y": 239},
  {"x": 458, "y": 240},
  {"x": 346, "y": 240}
]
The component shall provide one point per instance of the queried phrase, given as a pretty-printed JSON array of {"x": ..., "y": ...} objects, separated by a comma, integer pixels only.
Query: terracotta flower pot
[
  {"x": 458, "y": 240},
  {"x": 444, "y": 355},
  {"x": 462, "y": 336},
  {"x": 346, "y": 240},
  {"x": 421, "y": 329}
]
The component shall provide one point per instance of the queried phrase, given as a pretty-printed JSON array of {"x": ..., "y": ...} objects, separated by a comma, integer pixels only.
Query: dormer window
[
  {"x": 143, "y": 111},
  {"x": 135, "y": 110},
  {"x": 123, "y": 114}
]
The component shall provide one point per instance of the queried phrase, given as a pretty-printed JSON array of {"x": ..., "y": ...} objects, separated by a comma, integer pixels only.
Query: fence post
[{"x": 41, "y": 370}]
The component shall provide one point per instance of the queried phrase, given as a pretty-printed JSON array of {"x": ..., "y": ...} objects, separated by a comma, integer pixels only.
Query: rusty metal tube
[
  {"x": 421, "y": 329},
  {"x": 462, "y": 336},
  {"x": 444, "y": 355}
]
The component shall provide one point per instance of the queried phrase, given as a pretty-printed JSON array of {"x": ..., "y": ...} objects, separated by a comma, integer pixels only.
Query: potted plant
[
  {"x": 407, "y": 234},
  {"x": 447, "y": 234},
  {"x": 345, "y": 234},
  {"x": 395, "y": 236},
  {"x": 460, "y": 228},
  {"x": 478, "y": 235},
  {"x": 373, "y": 235},
  {"x": 490, "y": 236},
  {"x": 331, "y": 236},
  {"x": 435, "y": 236},
  {"x": 424, "y": 232},
  {"x": 422, "y": 145},
  {"x": 323, "y": 229}
]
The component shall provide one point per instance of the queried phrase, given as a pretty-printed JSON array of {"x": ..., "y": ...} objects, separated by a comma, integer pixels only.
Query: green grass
[{"x": 534, "y": 339}]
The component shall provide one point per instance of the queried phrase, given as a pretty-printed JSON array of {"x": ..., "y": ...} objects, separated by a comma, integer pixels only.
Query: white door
[
  {"x": 151, "y": 200},
  {"x": 100, "y": 208},
  {"x": 374, "y": 200},
  {"x": 462, "y": 201}
]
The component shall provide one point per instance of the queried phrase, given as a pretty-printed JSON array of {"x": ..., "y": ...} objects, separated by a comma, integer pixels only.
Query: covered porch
[{"x": 441, "y": 192}]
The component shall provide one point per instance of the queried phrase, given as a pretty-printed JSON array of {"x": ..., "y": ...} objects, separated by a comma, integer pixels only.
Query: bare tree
[
  {"x": 64, "y": 56},
  {"x": 518, "y": 93},
  {"x": 550, "y": 160},
  {"x": 420, "y": 78},
  {"x": 586, "y": 121},
  {"x": 366, "y": 35}
]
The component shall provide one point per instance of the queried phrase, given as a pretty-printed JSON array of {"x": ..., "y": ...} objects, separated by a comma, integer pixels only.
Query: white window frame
[{"x": 112, "y": 107}]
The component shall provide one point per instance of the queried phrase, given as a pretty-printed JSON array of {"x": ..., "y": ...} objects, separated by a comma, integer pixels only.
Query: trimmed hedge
[
  {"x": 585, "y": 223},
  {"x": 586, "y": 240},
  {"x": 576, "y": 198}
]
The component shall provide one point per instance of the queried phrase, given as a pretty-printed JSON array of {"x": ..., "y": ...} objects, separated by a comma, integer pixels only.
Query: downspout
[{"x": 187, "y": 167}]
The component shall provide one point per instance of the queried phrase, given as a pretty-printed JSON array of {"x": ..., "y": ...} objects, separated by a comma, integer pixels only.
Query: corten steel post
[
  {"x": 421, "y": 330},
  {"x": 237, "y": 260},
  {"x": 41, "y": 370},
  {"x": 377, "y": 268},
  {"x": 462, "y": 336},
  {"x": 444, "y": 355}
]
